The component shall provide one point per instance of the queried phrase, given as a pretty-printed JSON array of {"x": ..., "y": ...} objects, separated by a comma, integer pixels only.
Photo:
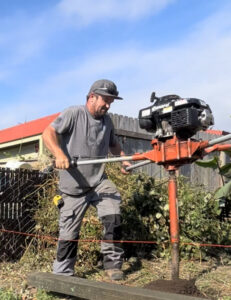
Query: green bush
[
  {"x": 145, "y": 212},
  {"x": 145, "y": 216},
  {"x": 8, "y": 295}
]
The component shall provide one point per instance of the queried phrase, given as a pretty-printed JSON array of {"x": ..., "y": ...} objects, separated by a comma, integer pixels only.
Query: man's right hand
[{"x": 61, "y": 161}]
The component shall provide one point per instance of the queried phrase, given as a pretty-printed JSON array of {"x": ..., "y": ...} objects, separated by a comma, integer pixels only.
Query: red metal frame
[{"x": 172, "y": 154}]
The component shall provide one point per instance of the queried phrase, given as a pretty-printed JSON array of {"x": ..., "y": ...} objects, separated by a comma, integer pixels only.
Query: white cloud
[
  {"x": 89, "y": 11},
  {"x": 199, "y": 66}
]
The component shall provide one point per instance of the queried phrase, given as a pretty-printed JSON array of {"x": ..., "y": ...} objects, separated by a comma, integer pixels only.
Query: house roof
[
  {"x": 217, "y": 132},
  {"x": 25, "y": 130}
]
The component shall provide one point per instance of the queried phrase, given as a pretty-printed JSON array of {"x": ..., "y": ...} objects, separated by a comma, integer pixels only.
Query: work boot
[{"x": 114, "y": 274}]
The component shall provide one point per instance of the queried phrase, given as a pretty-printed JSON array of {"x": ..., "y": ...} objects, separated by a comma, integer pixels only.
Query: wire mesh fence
[{"x": 18, "y": 202}]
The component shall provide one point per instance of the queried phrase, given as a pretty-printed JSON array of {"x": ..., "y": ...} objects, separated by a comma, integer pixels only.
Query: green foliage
[
  {"x": 145, "y": 217},
  {"x": 144, "y": 211},
  {"x": 46, "y": 214},
  {"x": 226, "y": 170},
  {"x": 8, "y": 294},
  {"x": 224, "y": 191},
  {"x": 213, "y": 163},
  {"x": 145, "y": 214},
  {"x": 210, "y": 163},
  {"x": 199, "y": 215}
]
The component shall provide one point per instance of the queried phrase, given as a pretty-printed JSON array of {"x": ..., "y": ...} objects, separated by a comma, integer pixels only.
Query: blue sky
[{"x": 51, "y": 51}]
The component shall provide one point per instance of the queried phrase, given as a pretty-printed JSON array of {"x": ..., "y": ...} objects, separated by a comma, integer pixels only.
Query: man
[{"x": 87, "y": 131}]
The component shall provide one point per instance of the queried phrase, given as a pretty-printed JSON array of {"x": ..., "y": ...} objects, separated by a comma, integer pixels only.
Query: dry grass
[{"x": 212, "y": 280}]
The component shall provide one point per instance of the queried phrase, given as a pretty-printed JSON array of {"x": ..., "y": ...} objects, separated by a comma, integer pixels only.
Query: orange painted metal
[
  {"x": 173, "y": 151},
  {"x": 173, "y": 208},
  {"x": 217, "y": 147},
  {"x": 174, "y": 222}
]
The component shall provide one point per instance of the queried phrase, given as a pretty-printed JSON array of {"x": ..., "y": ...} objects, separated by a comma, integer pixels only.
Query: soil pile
[{"x": 177, "y": 286}]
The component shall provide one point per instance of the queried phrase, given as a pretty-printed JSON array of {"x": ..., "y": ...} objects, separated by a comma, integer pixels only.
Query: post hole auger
[
  {"x": 173, "y": 121},
  {"x": 171, "y": 154}
]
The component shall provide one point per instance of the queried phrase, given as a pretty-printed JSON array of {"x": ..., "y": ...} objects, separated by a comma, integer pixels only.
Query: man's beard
[{"x": 101, "y": 113}]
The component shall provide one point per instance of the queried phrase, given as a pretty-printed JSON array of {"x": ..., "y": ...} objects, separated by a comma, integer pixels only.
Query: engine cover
[{"x": 171, "y": 115}]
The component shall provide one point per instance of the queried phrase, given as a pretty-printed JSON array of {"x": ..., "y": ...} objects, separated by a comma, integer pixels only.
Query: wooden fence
[{"x": 134, "y": 139}]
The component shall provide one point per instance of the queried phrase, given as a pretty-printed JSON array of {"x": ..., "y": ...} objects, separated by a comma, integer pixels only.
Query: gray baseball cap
[{"x": 105, "y": 87}]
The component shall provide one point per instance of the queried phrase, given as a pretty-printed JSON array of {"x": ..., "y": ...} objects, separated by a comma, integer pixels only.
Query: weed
[{"x": 8, "y": 294}]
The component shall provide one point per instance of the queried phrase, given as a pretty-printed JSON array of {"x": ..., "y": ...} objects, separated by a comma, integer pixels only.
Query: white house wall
[{"x": 29, "y": 149}]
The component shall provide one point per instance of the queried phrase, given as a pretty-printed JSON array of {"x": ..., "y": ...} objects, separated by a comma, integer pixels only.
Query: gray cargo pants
[{"x": 106, "y": 199}]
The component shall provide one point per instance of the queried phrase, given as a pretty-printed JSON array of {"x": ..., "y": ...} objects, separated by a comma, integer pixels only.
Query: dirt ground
[
  {"x": 207, "y": 280},
  {"x": 177, "y": 286}
]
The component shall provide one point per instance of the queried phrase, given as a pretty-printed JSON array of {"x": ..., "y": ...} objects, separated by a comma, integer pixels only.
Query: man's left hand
[{"x": 125, "y": 164}]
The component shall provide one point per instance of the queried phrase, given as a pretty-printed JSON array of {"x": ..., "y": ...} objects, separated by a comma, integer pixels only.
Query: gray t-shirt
[{"x": 82, "y": 135}]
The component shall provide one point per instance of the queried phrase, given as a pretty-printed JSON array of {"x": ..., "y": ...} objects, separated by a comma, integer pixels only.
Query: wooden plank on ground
[{"x": 94, "y": 290}]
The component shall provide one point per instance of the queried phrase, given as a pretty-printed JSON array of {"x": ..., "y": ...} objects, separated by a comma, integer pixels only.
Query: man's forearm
[{"x": 51, "y": 141}]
